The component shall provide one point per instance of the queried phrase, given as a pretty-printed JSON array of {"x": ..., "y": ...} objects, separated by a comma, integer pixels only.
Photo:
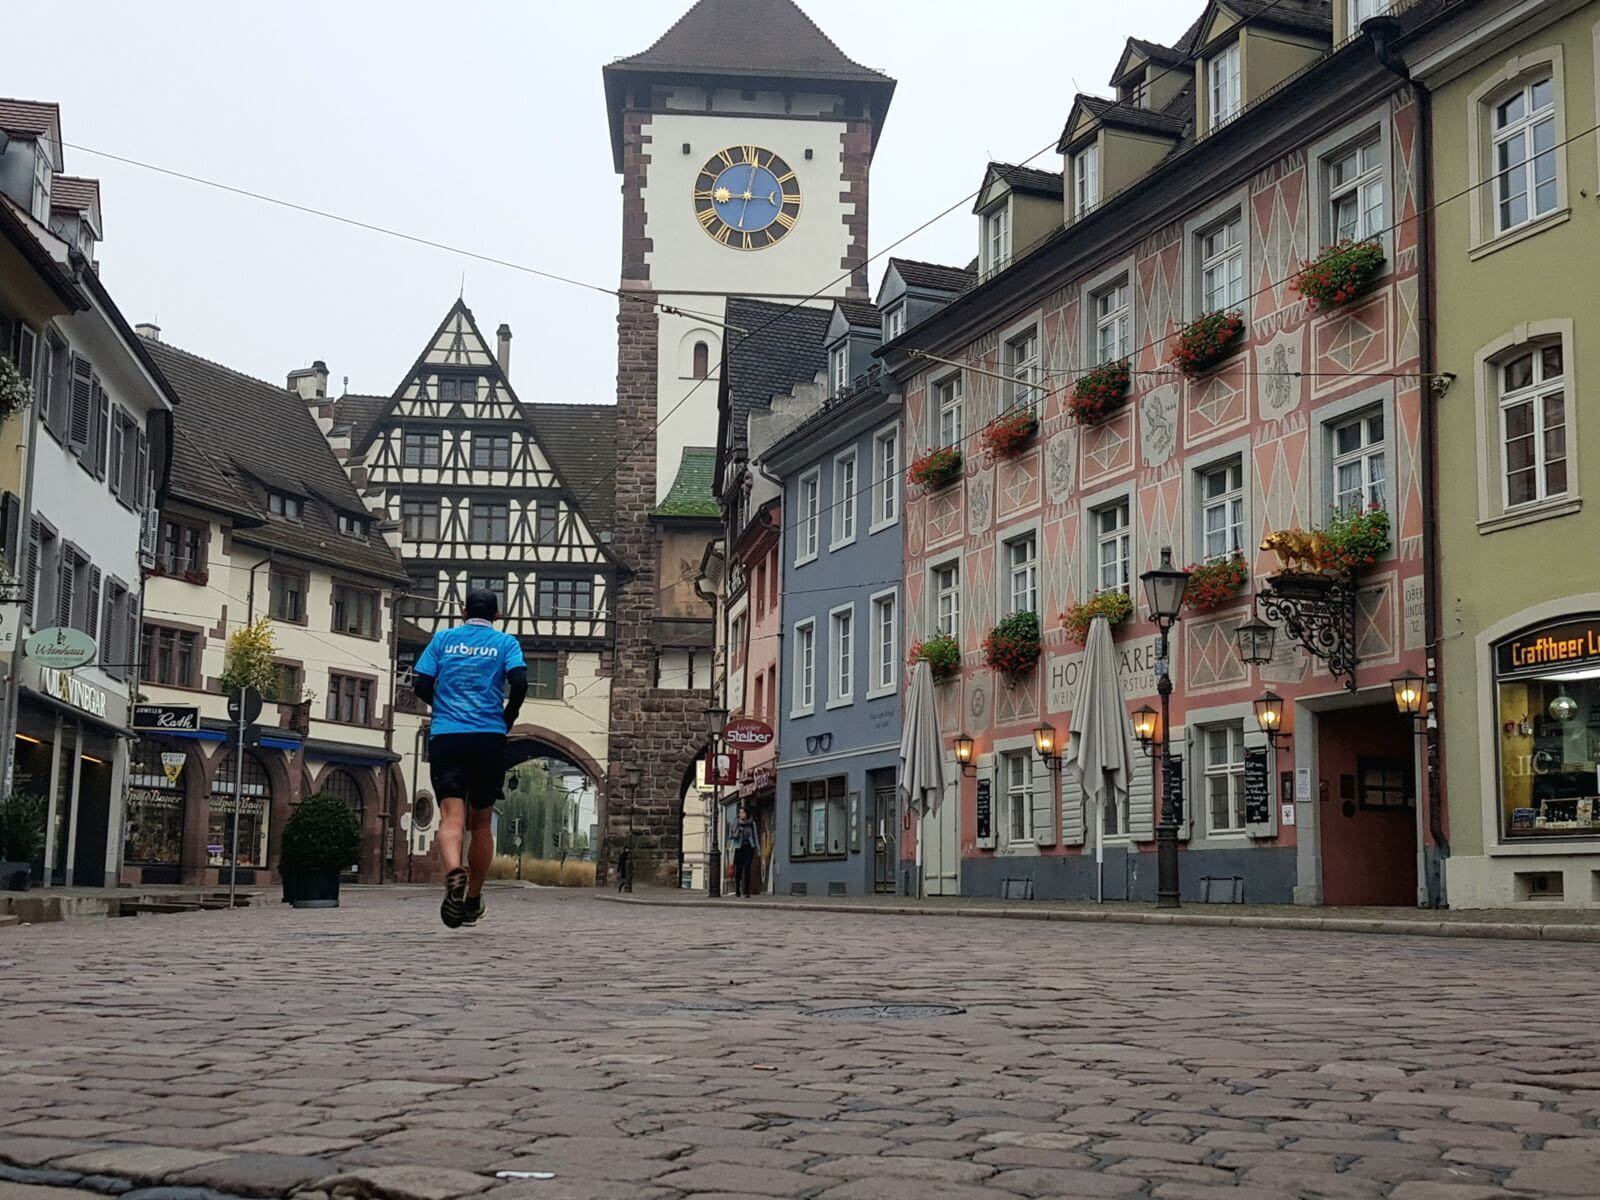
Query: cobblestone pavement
[{"x": 639, "y": 1053}]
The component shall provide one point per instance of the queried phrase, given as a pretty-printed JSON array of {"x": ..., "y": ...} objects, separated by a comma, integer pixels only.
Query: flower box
[
  {"x": 1349, "y": 543},
  {"x": 942, "y": 653},
  {"x": 1012, "y": 646},
  {"x": 1206, "y": 342},
  {"x": 936, "y": 469},
  {"x": 1213, "y": 584},
  {"x": 1009, "y": 435},
  {"x": 1339, "y": 274},
  {"x": 1100, "y": 393},
  {"x": 1115, "y": 607}
]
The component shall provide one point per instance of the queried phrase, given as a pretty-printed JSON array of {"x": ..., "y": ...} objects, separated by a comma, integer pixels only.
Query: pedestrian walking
[
  {"x": 464, "y": 675},
  {"x": 746, "y": 845},
  {"x": 624, "y": 866}
]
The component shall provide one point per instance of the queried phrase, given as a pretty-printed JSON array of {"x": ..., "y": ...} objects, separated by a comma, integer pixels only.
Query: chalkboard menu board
[
  {"x": 985, "y": 809},
  {"x": 1257, "y": 792},
  {"x": 1172, "y": 789}
]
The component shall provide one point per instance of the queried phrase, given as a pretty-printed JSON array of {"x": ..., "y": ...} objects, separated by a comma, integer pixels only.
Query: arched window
[
  {"x": 255, "y": 807},
  {"x": 702, "y": 360},
  {"x": 343, "y": 785},
  {"x": 155, "y": 809}
]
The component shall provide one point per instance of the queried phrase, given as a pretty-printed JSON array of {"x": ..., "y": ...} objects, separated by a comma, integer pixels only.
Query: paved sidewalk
[{"x": 657, "y": 1053}]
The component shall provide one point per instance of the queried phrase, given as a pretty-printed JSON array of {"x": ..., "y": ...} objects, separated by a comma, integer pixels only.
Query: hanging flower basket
[
  {"x": 936, "y": 469},
  {"x": 1099, "y": 393},
  {"x": 942, "y": 653},
  {"x": 1012, "y": 646},
  {"x": 1203, "y": 344},
  {"x": 1339, "y": 274},
  {"x": 1009, "y": 435},
  {"x": 1115, "y": 607},
  {"x": 1213, "y": 584},
  {"x": 1351, "y": 543},
  {"x": 15, "y": 393}
]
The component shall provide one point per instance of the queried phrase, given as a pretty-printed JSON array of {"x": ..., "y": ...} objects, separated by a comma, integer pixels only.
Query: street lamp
[
  {"x": 1044, "y": 741},
  {"x": 630, "y": 784},
  {"x": 1144, "y": 727},
  {"x": 1269, "y": 718},
  {"x": 964, "y": 755},
  {"x": 717, "y": 717},
  {"x": 1408, "y": 694},
  {"x": 1164, "y": 587},
  {"x": 1254, "y": 639}
]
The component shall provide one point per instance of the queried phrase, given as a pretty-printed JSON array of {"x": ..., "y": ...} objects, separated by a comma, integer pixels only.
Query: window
[
  {"x": 841, "y": 656},
  {"x": 817, "y": 823},
  {"x": 1546, "y": 734},
  {"x": 1355, "y": 191},
  {"x": 839, "y": 367},
  {"x": 1222, "y": 511},
  {"x": 1114, "y": 816},
  {"x": 1223, "y": 73},
  {"x": 885, "y": 662},
  {"x": 355, "y": 611},
  {"x": 44, "y": 549},
  {"x": 120, "y": 656},
  {"x": 1113, "y": 323},
  {"x": 1524, "y": 149},
  {"x": 1022, "y": 574},
  {"x": 1225, "y": 777},
  {"x": 684, "y": 670},
  {"x": 1533, "y": 425},
  {"x": 288, "y": 687},
  {"x": 462, "y": 390},
  {"x": 169, "y": 657},
  {"x": 947, "y": 599},
  {"x": 288, "y": 590},
  {"x": 1385, "y": 783},
  {"x": 419, "y": 448},
  {"x": 491, "y": 522},
  {"x": 422, "y": 597},
  {"x": 1022, "y": 366},
  {"x": 183, "y": 549},
  {"x": 760, "y": 708},
  {"x": 885, "y": 478},
  {"x": 74, "y": 600},
  {"x": 281, "y": 504},
  {"x": 1113, "y": 548},
  {"x": 702, "y": 360},
  {"x": 544, "y": 682},
  {"x": 894, "y": 324},
  {"x": 758, "y": 588},
  {"x": 810, "y": 516},
  {"x": 997, "y": 239},
  {"x": 948, "y": 394},
  {"x": 1017, "y": 776},
  {"x": 565, "y": 598},
  {"x": 80, "y": 417},
  {"x": 250, "y": 809},
  {"x": 1364, "y": 10},
  {"x": 844, "y": 499},
  {"x": 1085, "y": 180},
  {"x": 492, "y": 450},
  {"x": 805, "y": 664},
  {"x": 355, "y": 527},
  {"x": 349, "y": 699},
  {"x": 155, "y": 809},
  {"x": 419, "y": 520},
  {"x": 489, "y": 583},
  {"x": 1222, "y": 267},
  {"x": 1358, "y": 463},
  {"x": 42, "y": 171},
  {"x": 548, "y": 525}
]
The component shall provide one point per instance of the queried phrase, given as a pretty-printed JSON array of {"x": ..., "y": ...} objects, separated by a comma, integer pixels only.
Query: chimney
[
  {"x": 148, "y": 329},
  {"x": 504, "y": 353},
  {"x": 310, "y": 383}
]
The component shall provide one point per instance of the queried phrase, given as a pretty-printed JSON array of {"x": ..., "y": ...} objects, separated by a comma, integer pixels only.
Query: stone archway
[{"x": 527, "y": 743}]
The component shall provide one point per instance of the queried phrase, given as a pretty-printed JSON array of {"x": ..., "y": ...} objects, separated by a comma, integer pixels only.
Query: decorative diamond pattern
[
  {"x": 1019, "y": 484},
  {"x": 1210, "y": 654},
  {"x": 1108, "y": 448}
]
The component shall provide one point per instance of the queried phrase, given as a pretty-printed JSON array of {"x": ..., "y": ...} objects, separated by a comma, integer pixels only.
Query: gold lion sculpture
[{"x": 1297, "y": 550}]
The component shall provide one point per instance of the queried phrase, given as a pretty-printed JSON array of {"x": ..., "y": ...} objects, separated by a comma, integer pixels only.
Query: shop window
[
  {"x": 342, "y": 786},
  {"x": 1548, "y": 730},
  {"x": 155, "y": 809},
  {"x": 1385, "y": 783},
  {"x": 253, "y": 805},
  {"x": 817, "y": 824}
]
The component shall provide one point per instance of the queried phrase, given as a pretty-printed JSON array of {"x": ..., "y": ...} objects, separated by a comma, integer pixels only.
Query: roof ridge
[{"x": 166, "y": 345}]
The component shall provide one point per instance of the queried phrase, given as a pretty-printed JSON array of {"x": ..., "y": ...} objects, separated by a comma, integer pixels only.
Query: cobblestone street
[{"x": 638, "y": 1052}]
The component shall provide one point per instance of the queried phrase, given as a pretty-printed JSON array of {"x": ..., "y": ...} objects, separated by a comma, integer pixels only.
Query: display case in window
[{"x": 1547, "y": 692}]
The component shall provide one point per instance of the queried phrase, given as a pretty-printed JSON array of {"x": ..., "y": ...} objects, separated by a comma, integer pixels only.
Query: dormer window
[
  {"x": 1135, "y": 92},
  {"x": 355, "y": 527},
  {"x": 894, "y": 323},
  {"x": 1085, "y": 180},
  {"x": 281, "y": 504},
  {"x": 41, "y": 181},
  {"x": 462, "y": 391},
  {"x": 1362, "y": 11},
  {"x": 839, "y": 367},
  {"x": 1222, "y": 72},
  {"x": 997, "y": 240}
]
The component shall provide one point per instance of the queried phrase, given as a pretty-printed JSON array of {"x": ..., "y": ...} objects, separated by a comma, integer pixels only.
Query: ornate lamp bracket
[{"x": 1319, "y": 612}]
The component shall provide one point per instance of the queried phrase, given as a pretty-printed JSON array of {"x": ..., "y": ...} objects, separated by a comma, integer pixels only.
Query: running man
[{"x": 463, "y": 675}]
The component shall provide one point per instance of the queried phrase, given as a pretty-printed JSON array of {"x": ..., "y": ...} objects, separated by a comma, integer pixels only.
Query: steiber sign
[{"x": 746, "y": 733}]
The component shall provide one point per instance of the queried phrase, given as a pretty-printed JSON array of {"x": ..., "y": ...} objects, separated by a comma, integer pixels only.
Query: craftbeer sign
[
  {"x": 159, "y": 717},
  {"x": 1562, "y": 646},
  {"x": 746, "y": 733},
  {"x": 60, "y": 648}
]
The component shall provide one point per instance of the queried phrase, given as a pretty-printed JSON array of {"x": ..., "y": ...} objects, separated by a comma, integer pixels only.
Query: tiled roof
[
  {"x": 935, "y": 276},
  {"x": 1310, "y": 16},
  {"x": 750, "y": 37},
  {"x": 236, "y": 436},
  {"x": 361, "y": 413},
  {"x": 29, "y": 117},
  {"x": 691, "y": 494},
  {"x": 1029, "y": 179},
  {"x": 581, "y": 439},
  {"x": 860, "y": 313},
  {"x": 1130, "y": 116},
  {"x": 1156, "y": 52},
  {"x": 68, "y": 191},
  {"x": 782, "y": 346}
]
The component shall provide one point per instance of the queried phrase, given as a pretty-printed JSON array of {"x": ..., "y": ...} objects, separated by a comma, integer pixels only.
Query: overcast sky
[{"x": 480, "y": 124}]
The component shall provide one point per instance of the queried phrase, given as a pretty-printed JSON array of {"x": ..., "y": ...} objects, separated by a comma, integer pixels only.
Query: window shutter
[
  {"x": 1141, "y": 801},
  {"x": 69, "y": 570},
  {"x": 102, "y": 415},
  {"x": 91, "y": 611},
  {"x": 26, "y": 344},
  {"x": 114, "y": 456},
  {"x": 11, "y": 528},
  {"x": 1044, "y": 804},
  {"x": 1073, "y": 825},
  {"x": 111, "y": 656},
  {"x": 31, "y": 574},
  {"x": 130, "y": 631},
  {"x": 83, "y": 385},
  {"x": 1193, "y": 784},
  {"x": 988, "y": 778}
]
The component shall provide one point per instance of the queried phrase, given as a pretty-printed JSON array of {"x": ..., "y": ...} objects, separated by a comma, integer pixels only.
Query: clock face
[{"x": 747, "y": 198}]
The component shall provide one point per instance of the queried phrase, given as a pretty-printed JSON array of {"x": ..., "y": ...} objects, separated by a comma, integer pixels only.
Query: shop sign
[
  {"x": 172, "y": 764},
  {"x": 10, "y": 625},
  {"x": 1564, "y": 646},
  {"x": 152, "y": 798},
  {"x": 722, "y": 768},
  {"x": 70, "y": 689},
  {"x": 60, "y": 647},
  {"x": 746, "y": 733},
  {"x": 1136, "y": 673},
  {"x": 757, "y": 780},
  {"x": 1257, "y": 795},
  {"x": 162, "y": 717}
]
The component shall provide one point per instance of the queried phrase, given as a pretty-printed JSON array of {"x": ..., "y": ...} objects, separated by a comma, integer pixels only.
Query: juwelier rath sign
[{"x": 1551, "y": 649}]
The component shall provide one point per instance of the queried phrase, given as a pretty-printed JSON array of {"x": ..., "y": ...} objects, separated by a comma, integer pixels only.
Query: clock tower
[{"x": 744, "y": 137}]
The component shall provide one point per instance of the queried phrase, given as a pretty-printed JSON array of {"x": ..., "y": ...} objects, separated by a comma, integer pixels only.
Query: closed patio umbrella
[
  {"x": 1102, "y": 752},
  {"x": 921, "y": 754}
]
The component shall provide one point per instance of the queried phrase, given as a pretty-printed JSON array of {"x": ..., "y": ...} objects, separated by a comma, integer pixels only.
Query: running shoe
[
  {"x": 454, "y": 909},
  {"x": 474, "y": 910}
]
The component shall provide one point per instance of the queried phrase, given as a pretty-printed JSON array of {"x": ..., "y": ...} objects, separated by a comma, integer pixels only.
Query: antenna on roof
[
  {"x": 346, "y": 391},
  {"x": 462, "y": 294}
]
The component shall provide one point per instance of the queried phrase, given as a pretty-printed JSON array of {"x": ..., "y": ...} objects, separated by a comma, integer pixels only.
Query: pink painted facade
[{"x": 753, "y": 659}]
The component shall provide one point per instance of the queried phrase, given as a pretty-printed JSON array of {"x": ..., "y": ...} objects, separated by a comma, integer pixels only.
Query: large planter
[
  {"x": 1010, "y": 435},
  {"x": 1012, "y": 647},
  {"x": 1115, "y": 607},
  {"x": 935, "y": 469},
  {"x": 15, "y": 876},
  {"x": 311, "y": 889}
]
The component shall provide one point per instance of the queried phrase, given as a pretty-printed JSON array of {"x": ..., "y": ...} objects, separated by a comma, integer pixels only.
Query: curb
[{"x": 1485, "y": 930}]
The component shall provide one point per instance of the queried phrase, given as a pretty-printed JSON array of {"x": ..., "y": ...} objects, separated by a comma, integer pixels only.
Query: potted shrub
[
  {"x": 942, "y": 653},
  {"x": 1099, "y": 393},
  {"x": 936, "y": 469},
  {"x": 1355, "y": 540},
  {"x": 1339, "y": 274},
  {"x": 1215, "y": 583},
  {"x": 320, "y": 841},
  {"x": 1115, "y": 607},
  {"x": 1012, "y": 646},
  {"x": 1008, "y": 435},
  {"x": 22, "y": 818},
  {"x": 1201, "y": 345}
]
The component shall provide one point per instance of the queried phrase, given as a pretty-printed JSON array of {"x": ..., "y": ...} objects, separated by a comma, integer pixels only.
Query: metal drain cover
[{"x": 886, "y": 1012}]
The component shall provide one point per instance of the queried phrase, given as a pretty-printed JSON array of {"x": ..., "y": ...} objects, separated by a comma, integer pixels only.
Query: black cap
[{"x": 482, "y": 605}]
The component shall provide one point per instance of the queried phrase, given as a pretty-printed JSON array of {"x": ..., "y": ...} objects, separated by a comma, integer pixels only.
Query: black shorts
[{"x": 468, "y": 766}]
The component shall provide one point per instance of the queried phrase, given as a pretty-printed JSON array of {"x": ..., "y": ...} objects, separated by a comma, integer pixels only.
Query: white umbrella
[
  {"x": 1102, "y": 753},
  {"x": 921, "y": 754}
]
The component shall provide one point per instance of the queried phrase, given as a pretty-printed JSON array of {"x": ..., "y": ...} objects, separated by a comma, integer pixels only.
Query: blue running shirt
[{"x": 470, "y": 663}]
